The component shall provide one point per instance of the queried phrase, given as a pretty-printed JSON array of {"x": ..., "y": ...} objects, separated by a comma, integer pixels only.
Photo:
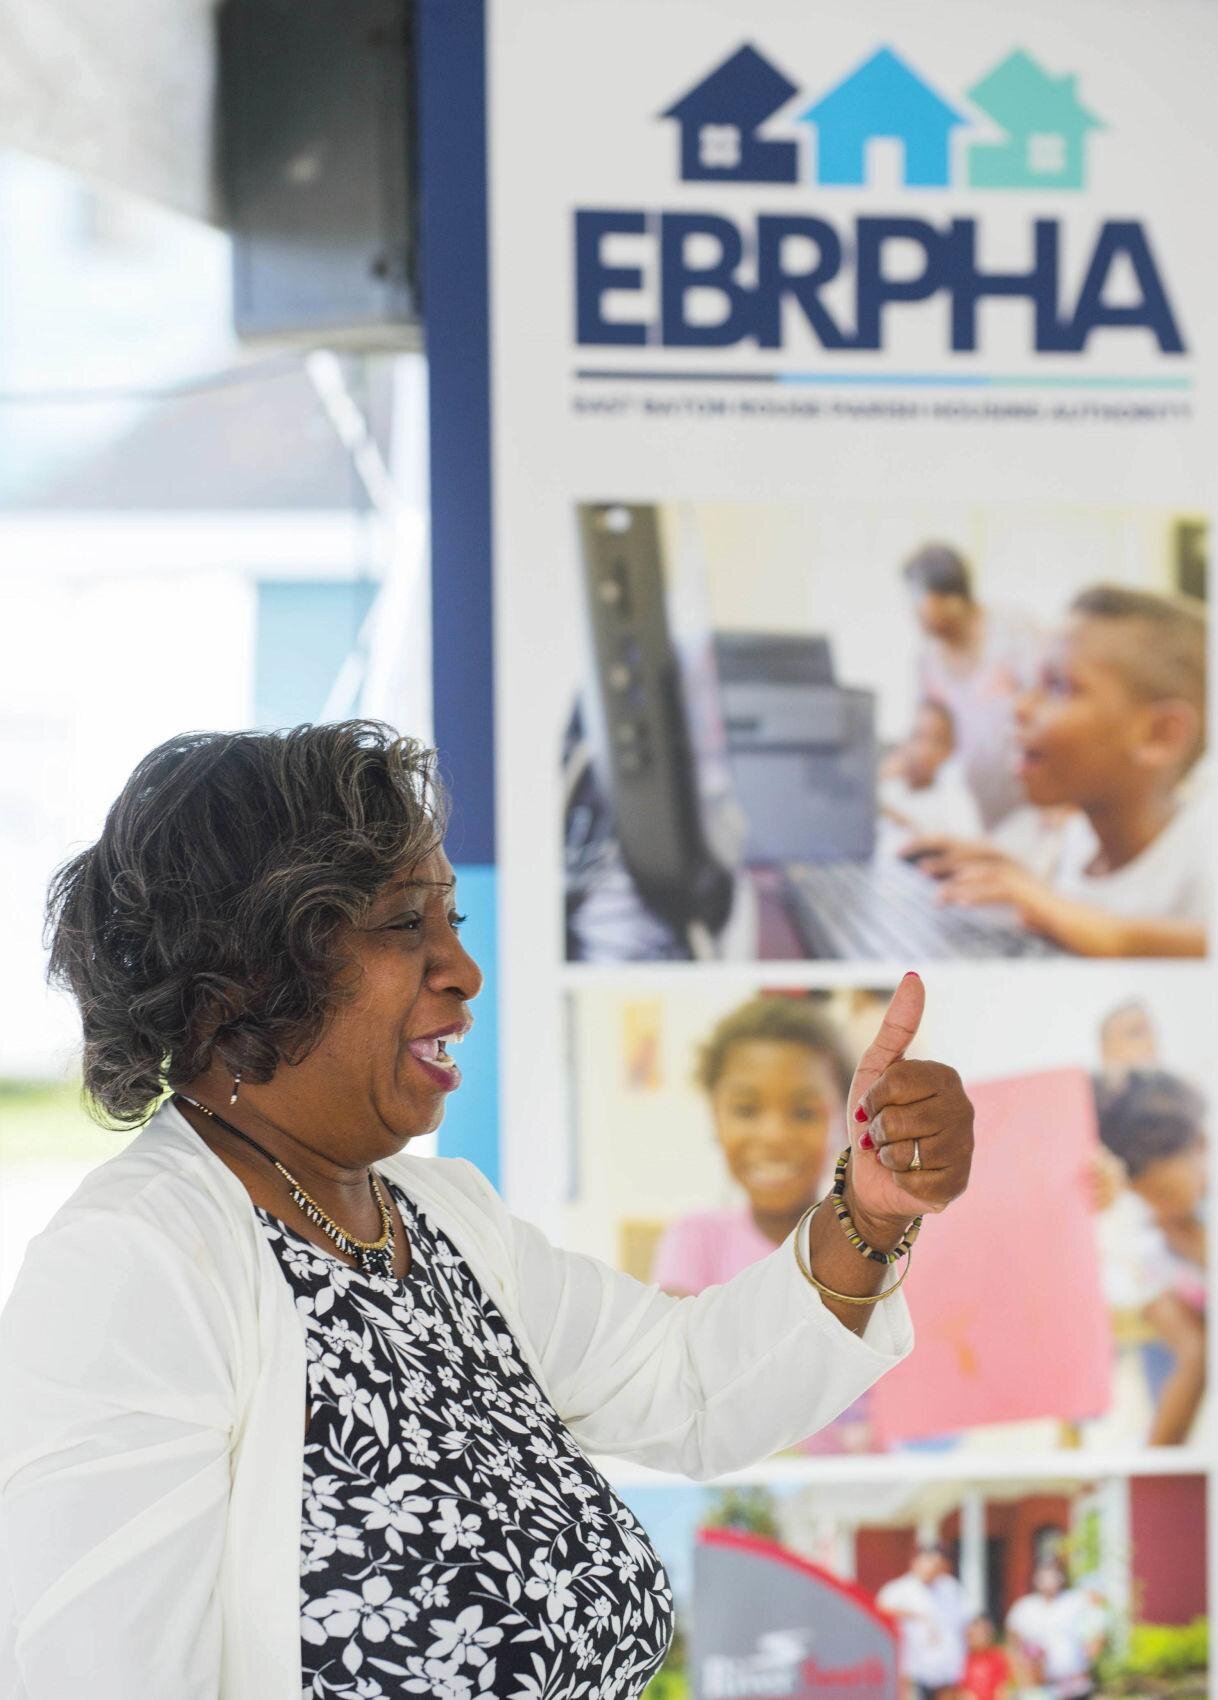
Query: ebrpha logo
[
  {"x": 748, "y": 126},
  {"x": 1041, "y": 121}
]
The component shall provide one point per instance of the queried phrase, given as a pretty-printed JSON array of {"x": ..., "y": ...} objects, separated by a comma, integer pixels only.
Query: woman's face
[
  {"x": 941, "y": 613},
  {"x": 409, "y": 980},
  {"x": 776, "y": 1105}
]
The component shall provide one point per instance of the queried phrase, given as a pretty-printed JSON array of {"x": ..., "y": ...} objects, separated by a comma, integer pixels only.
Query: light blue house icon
[
  {"x": 1046, "y": 128},
  {"x": 885, "y": 98}
]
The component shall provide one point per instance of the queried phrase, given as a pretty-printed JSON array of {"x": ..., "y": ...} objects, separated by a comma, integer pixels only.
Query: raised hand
[{"x": 898, "y": 1107}]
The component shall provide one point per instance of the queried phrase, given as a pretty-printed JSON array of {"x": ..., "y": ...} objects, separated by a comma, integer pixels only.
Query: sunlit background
[{"x": 191, "y": 536}]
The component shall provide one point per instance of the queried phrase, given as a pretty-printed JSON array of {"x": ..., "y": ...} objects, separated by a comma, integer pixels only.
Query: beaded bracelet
[
  {"x": 828, "y": 1292},
  {"x": 851, "y": 1232}
]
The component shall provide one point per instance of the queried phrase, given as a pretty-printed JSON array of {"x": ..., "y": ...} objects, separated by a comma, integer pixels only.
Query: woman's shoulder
[
  {"x": 146, "y": 1281},
  {"x": 164, "y": 1192}
]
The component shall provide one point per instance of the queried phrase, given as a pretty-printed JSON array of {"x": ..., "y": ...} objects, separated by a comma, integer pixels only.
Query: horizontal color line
[
  {"x": 682, "y": 377},
  {"x": 892, "y": 380},
  {"x": 984, "y": 381}
]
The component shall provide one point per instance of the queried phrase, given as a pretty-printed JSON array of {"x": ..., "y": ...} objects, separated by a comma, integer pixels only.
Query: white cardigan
[{"x": 152, "y": 1380}]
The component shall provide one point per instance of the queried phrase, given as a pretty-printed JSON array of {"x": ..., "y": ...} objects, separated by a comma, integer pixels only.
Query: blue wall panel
[
  {"x": 471, "y": 1122},
  {"x": 453, "y": 262}
]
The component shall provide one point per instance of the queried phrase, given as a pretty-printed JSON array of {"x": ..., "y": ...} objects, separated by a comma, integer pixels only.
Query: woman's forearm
[
  {"x": 1184, "y": 1335},
  {"x": 839, "y": 1265},
  {"x": 1179, "y": 1401}
]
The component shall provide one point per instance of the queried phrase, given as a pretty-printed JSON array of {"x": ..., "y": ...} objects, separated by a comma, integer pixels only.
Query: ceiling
[{"x": 120, "y": 92}]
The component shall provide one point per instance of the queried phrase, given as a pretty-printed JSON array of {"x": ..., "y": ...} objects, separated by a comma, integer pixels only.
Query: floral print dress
[{"x": 455, "y": 1541}]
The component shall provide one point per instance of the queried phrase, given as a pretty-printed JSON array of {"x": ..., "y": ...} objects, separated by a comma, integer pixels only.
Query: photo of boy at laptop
[
  {"x": 1109, "y": 737},
  {"x": 732, "y": 793}
]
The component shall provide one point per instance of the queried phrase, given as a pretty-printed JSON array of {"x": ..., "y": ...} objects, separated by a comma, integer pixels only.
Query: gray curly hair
[{"x": 205, "y": 923}]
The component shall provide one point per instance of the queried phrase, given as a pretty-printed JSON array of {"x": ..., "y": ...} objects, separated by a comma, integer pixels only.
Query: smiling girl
[{"x": 777, "y": 1078}]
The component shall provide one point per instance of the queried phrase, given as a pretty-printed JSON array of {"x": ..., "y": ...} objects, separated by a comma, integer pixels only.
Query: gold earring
[{"x": 236, "y": 1087}]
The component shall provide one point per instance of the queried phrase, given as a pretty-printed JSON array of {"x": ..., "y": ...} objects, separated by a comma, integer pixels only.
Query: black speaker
[{"x": 316, "y": 158}]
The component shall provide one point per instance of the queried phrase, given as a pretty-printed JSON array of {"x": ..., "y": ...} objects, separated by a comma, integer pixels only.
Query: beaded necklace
[{"x": 373, "y": 1256}]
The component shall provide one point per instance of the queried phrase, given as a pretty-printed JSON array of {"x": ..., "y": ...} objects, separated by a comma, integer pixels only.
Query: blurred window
[{"x": 192, "y": 535}]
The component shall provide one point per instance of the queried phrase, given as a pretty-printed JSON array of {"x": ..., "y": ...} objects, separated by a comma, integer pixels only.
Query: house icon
[
  {"x": 1046, "y": 126},
  {"x": 719, "y": 119},
  {"x": 883, "y": 98}
]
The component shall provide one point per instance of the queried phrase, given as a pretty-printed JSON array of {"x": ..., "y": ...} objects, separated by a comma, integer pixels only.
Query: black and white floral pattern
[{"x": 455, "y": 1541}]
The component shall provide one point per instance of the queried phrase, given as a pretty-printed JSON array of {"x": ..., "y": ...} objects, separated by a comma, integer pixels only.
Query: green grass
[
  {"x": 46, "y": 1122},
  {"x": 668, "y": 1684},
  {"x": 1160, "y": 1649}
]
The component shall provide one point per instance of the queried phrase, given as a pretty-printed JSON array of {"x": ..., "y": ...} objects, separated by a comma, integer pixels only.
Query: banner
[
  {"x": 853, "y": 406},
  {"x": 769, "y": 1622},
  {"x": 851, "y": 378}
]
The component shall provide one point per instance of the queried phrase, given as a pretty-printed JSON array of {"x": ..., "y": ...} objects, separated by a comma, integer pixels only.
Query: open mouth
[
  {"x": 432, "y": 1054},
  {"x": 772, "y": 1174}
]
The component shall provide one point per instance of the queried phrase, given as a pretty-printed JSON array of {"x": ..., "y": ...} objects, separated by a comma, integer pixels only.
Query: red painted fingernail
[
  {"x": 866, "y": 1143},
  {"x": 860, "y": 1115},
  {"x": 913, "y": 975}
]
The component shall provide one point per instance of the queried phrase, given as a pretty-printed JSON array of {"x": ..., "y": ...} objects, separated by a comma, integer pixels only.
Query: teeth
[
  {"x": 431, "y": 1051},
  {"x": 434, "y": 1050}
]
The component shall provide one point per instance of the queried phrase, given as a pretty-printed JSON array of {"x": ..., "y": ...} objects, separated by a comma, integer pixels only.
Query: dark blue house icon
[
  {"x": 885, "y": 98},
  {"x": 719, "y": 120}
]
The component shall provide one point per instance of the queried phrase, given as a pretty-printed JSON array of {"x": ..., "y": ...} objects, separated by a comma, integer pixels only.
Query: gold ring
[{"x": 917, "y": 1156}]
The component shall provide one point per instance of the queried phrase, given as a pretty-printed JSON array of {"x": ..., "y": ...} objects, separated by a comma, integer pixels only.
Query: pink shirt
[{"x": 707, "y": 1249}]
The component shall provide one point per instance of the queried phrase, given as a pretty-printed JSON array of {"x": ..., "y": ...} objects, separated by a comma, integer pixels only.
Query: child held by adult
[
  {"x": 1153, "y": 1235},
  {"x": 923, "y": 787}
]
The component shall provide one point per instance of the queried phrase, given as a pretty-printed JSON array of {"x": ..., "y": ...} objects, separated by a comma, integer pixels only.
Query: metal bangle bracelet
[{"x": 840, "y": 1298}]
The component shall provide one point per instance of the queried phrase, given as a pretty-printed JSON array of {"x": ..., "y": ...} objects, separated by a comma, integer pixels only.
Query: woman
[
  {"x": 776, "y": 1078},
  {"x": 975, "y": 662},
  {"x": 288, "y": 1410}
]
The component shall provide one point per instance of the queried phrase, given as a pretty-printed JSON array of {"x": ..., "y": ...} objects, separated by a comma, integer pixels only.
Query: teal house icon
[
  {"x": 1046, "y": 125},
  {"x": 883, "y": 98}
]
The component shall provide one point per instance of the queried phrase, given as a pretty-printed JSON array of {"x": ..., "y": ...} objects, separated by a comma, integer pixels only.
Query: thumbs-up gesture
[{"x": 911, "y": 1127}]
